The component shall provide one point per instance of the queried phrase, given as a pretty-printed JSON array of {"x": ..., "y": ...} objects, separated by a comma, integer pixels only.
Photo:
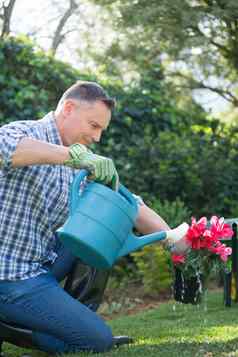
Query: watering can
[{"x": 100, "y": 223}]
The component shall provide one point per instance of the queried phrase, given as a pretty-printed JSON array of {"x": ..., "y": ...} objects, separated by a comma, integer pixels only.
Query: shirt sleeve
[
  {"x": 10, "y": 136},
  {"x": 139, "y": 200}
]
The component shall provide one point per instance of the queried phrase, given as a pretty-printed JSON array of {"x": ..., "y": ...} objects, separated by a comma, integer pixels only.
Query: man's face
[{"x": 83, "y": 122}]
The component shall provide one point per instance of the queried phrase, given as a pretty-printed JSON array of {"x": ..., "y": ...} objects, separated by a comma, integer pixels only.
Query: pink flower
[
  {"x": 223, "y": 251},
  {"x": 219, "y": 229},
  {"x": 209, "y": 239},
  {"x": 178, "y": 259},
  {"x": 195, "y": 233},
  {"x": 205, "y": 242}
]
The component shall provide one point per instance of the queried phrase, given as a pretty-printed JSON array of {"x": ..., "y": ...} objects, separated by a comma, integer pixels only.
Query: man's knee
[{"x": 98, "y": 341}]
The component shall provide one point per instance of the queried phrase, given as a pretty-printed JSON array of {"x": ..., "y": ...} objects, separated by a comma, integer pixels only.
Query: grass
[{"x": 173, "y": 330}]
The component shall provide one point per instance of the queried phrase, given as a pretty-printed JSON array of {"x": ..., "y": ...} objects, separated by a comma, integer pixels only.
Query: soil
[
  {"x": 131, "y": 311},
  {"x": 130, "y": 300}
]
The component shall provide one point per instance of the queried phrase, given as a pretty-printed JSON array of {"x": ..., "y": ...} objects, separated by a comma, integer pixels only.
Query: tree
[
  {"x": 196, "y": 40},
  {"x": 61, "y": 27},
  {"x": 59, "y": 35},
  {"x": 6, "y": 11},
  {"x": 61, "y": 19}
]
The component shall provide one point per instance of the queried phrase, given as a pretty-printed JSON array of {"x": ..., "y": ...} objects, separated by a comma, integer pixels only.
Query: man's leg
[
  {"x": 62, "y": 323},
  {"x": 63, "y": 263}
]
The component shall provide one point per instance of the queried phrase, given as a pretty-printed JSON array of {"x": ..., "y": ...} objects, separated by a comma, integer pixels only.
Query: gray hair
[{"x": 88, "y": 91}]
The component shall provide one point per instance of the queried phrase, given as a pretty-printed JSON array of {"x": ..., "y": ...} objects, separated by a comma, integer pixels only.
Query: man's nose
[{"x": 97, "y": 137}]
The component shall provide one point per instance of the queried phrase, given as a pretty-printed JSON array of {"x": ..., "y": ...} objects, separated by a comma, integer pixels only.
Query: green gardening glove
[{"x": 101, "y": 168}]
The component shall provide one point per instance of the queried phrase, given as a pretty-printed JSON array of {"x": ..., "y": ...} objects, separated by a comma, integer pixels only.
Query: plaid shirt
[{"x": 33, "y": 202}]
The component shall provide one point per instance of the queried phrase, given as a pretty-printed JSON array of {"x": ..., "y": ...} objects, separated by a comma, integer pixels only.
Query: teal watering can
[{"x": 100, "y": 223}]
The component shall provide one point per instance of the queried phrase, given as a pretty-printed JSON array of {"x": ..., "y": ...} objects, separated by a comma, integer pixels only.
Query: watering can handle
[
  {"x": 74, "y": 192},
  {"x": 127, "y": 195}
]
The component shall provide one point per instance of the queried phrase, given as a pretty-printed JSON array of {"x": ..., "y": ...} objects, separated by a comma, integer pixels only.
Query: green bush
[
  {"x": 154, "y": 266},
  {"x": 31, "y": 82},
  {"x": 174, "y": 213},
  {"x": 166, "y": 152},
  {"x": 160, "y": 150}
]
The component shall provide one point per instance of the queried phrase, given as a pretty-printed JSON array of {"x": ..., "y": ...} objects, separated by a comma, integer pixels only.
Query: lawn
[{"x": 174, "y": 330}]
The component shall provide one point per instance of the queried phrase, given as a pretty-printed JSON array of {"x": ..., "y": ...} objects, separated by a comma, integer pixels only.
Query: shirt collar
[{"x": 51, "y": 129}]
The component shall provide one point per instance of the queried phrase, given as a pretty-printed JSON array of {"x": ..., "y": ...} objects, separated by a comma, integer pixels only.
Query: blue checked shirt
[{"x": 33, "y": 202}]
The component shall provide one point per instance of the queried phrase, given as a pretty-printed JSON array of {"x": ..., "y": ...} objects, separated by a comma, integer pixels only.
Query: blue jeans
[{"x": 60, "y": 323}]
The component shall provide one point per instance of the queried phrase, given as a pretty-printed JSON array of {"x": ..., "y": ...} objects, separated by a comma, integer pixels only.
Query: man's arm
[
  {"x": 149, "y": 221},
  {"x": 35, "y": 152},
  {"x": 28, "y": 151}
]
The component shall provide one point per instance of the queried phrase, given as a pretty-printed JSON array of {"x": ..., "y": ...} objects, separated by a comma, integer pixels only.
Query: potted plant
[{"x": 206, "y": 253}]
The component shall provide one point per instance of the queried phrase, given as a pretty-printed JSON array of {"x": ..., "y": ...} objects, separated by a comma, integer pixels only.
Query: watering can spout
[{"x": 134, "y": 243}]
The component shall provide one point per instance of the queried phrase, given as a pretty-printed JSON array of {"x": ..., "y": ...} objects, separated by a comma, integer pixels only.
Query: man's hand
[
  {"x": 176, "y": 239},
  {"x": 101, "y": 168}
]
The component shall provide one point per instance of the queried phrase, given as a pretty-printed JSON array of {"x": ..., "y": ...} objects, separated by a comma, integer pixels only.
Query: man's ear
[{"x": 68, "y": 107}]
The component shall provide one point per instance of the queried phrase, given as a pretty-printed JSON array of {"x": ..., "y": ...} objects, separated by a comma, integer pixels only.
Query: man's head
[{"x": 83, "y": 112}]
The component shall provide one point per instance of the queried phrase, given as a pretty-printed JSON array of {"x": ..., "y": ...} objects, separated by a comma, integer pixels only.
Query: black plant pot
[{"x": 187, "y": 291}]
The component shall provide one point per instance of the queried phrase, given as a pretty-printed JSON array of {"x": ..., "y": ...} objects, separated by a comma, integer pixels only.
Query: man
[{"x": 38, "y": 162}]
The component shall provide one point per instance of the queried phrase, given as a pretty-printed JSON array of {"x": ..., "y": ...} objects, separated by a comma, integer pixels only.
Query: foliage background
[
  {"x": 162, "y": 152},
  {"x": 166, "y": 150}
]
